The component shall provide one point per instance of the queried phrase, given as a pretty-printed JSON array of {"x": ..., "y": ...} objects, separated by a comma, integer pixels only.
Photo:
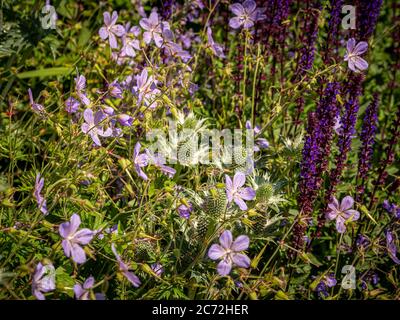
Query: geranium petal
[
  {"x": 237, "y": 9},
  {"x": 224, "y": 267},
  {"x": 77, "y": 253},
  {"x": 132, "y": 278},
  {"x": 249, "y": 5},
  {"x": 360, "y": 48},
  {"x": 350, "y": 45},
  {"x": 84, "y": 236},
  {"x": 247, "y": 193},
  {"x": 216, "y": 252},
  {"x": 103, "y": 33},
  {"x": 235, "y": 23},
  {"x": 347, "y": 203},
  {"x": 241, "y": 243},
  {"x": 242, "y": 205},
  {"x": 360, "y": 63},
  {"x": 239, "y": 180},
  {"x": 340, "y": 226},
  {"x": 226, "y": 239},
  {"x": 241, "y": 260},
  {"x": 351, "y": 214},
  {"x": 88, "y": 116}
]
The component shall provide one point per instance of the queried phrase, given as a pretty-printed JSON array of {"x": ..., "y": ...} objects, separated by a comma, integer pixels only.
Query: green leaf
[{"x": 50, "y": 72}]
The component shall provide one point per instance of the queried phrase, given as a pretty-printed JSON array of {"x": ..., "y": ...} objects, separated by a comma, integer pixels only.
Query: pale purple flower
[
  {"x": 146, "y": 89},
  {"x": 246, "y": 14},
  {"x": 217, "y": 49},
  {"x": 153, "y": 29},
  {"x": 392, "y": 209},
  {"x": 125, "y": 120},
  {"x": 108, "y": 110},
  {"x": 41, "y": 201},
  {"x": 35, "y": 106},
  {"x": 124, "y": 269},
  {"x": 185, "y": 211},
  {"x": 328, "y": 281},
  {"x": 228, "y": 251},
  {"x": 158, "y": 160},
  {"x": 391, "y": 247},
  {"x": 111, "y": 30},
  {"x": 71, "y": 105},
  {"x": 80, "y": 86},
  {"x": 115, "y": 90},
  {"x": 174, "y": 50},
  {"x": 352, "y": 56},
  {"x": 44, "y": 280},
  {"x": 82, "y": 292},
  {"x": 157, "y": 268},
  {"x": 129, "y": 46},
  {"x": 140, "y": 160},
  {"x": 342, "y": 213},
  {"x": 91, "y": 125},
  {"x": 236, "y": 193},
  {"x": 74, "y": 239}
]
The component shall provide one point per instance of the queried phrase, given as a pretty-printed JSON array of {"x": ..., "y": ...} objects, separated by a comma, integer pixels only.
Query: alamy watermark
[
  {"x": 349, "y": 21},
  {"x": 48, "y": 19}
]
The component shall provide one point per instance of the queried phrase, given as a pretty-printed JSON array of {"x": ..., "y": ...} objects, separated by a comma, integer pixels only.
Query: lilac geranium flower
[
  {"x": 82, "y": 292},
  {"x": 217, "y": 49},
  {"x": 109, "y": 111},
  {"x": 236, "y": 193},
  {"x": 146, "y": 89},
  {"x": 115, "y": 90},
  {"x": 354, "y": 61},
  {"x": 326, "y": 282},
  {"x": 124, "y": 269},
  {"x": 74, "y": 239},
  {"x": 35, "y": 106},
  {"x": 391, "y": 247},
  {"x": 91, "y": 125},
  {"x": 129, "y": 46},
  {"x": 44, "y": 280},
  {"x": 71, "y": 105},
  {"x": 80, "y": 87},
  {"x": 185, "y": 211},
  {"x": 140, "y": 161},
  {"x": 158, "y": 160},
  {"x": 111, "y": 30},
  {"x": 246, "y": 14},
  {"x": 41, "y": 201},
  {"x": 153, "y": 29},
  {"x": 342, "y": 213},
  {"x": 391, "y": 208},
  {"x": 174, "y": 50},
  {"x": 228, "y": 251},
  {"x": 157, "y": 268},
  {"x": 125, "y": 120}
]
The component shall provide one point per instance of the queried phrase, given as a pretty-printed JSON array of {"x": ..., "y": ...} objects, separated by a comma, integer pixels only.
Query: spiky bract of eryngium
[
  {"x": 268, "y": 192},
  {"x": 214, "y": 204},
  {"x": 144, "y": 249},
  {"x": 182, "y": 141},
  {"x": 264, "y": 224}
]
